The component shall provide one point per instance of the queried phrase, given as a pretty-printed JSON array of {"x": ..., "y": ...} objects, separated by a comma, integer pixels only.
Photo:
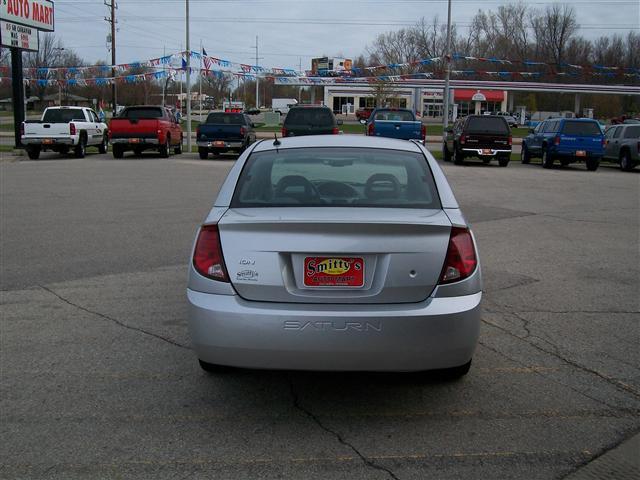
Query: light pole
[
  {"x": 58, "y": 50},
  {"x": 188, "y": 82},
  {"x": 447, "y": 78}
]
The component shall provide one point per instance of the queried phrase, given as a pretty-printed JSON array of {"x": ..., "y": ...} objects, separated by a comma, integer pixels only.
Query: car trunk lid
[{"x": 268, "y": 252}]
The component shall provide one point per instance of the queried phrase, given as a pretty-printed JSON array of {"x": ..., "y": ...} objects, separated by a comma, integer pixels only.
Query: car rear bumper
[
  {"x": 212, "y": 145},
  {"x": 486, "y": 152},
  {"x": 572, "y": 153},
  {"x": 437, "y": 333},
  {"x": 47, "y": 141},
  {"x": 130, "y": 142}
]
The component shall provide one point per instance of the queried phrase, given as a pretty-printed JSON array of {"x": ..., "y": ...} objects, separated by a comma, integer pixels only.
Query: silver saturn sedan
[{"x": 335, "y": 252}]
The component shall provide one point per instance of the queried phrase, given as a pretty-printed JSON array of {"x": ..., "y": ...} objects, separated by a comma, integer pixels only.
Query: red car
[
  {"x": 145, "y": 128},
  {"x": 363, "y": 114}
]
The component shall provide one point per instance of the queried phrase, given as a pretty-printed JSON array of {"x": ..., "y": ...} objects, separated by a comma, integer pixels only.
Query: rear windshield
[
  {"x": 336, "y": 177},
  {"x": 142, "y": 113},
  {"x": 632, "y": 132},
  {"x": 316, "y": 117},
  {"x": 581, "y": 128},
  {"x": 63, "y": 116},
  {"x": 226, "y": 118},
  {"x": 495, "y": 125},
  {"x": 394, "y": 116}
]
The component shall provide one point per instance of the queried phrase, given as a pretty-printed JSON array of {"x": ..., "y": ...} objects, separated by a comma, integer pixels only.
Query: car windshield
[
  {"x": 581, "y": 128},
  {"x": 142, "y": 113},
  {"x": 632, "y": 132},
  {"x": 226, "y": 118},
  {"x": 63, "y": 115},
  {"x": 309, "y": 116},
  {"x": 394, "y": 116},
  {"x": 336, "y": 177},
  {"x": 494, "y": 125}
]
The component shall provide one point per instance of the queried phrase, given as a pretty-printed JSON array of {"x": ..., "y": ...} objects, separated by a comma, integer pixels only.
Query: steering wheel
[{"x": 308, "y": 192}]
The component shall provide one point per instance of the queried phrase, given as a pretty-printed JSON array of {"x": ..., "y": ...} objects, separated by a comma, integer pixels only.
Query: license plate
[
  {"x": 334, "y": 272},
  {"x": 47, "y": 141},
  {"x": 581, "y": 153},
  {"x": 486, "y": 151},
  {"x": 218, "y": 143},
  {"x": 135, "y": 140}
]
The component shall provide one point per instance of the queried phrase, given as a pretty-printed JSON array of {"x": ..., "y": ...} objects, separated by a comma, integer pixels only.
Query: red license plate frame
[
  {"x": 218, "y": 143},
  {"x": 47, "y": 141},
  {"x": 134, "y": 140},
  {"x": 338, "y": 271},
  {"x": 581, "y": 153},
  {"x": 487, "y": 151}
]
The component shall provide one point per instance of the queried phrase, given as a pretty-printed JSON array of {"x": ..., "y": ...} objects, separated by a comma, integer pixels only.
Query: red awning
[{"x": 479, "y": 95}]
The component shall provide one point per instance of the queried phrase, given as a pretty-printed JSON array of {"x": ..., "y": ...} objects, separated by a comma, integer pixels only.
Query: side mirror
[
  {"x": 339, "y": 122},
  {"x": 363, "y": 121}
]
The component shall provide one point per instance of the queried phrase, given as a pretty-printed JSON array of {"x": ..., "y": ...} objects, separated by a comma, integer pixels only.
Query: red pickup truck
[
  {"x": 363, "y": 114},
  {"x": 145, "y": 128}
]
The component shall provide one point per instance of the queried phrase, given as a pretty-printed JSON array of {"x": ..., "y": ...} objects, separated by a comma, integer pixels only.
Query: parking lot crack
[
  {"x": 369, "y": 463},
  {"x": 114, "y": 320}
]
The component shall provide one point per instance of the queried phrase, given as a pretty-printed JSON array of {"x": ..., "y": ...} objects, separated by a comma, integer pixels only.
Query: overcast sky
[{"x": 289, "y": 31}]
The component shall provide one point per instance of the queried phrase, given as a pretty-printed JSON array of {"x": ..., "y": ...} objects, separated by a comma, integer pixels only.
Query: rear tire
[
  {"x": 525, "y": 156},
  {"x": 446, "y": 156},
  {"x": 626, "y": 164},
  {"x": 81, "y": 149},
  {"x": 33, "y": 153},
  {"x": 457, "y": 156},
  {"x": 104, "y": 146},
  {"x": 213, "y": 368},
  {"x": 547, "y": 159},
  {"x": 118, "y": 151},
  {"x": 504, "y": 161},
  {"x": 178, "y": 149},
  {"x": 592, "y": 164},
  {"x": 165, "y": 149},
  {"x": 203, "y": 153}
]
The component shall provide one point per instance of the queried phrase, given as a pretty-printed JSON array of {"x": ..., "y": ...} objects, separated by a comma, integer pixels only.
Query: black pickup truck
[
  {"x": 482, "y": 136},
  {"x": 224, "y": 132}
]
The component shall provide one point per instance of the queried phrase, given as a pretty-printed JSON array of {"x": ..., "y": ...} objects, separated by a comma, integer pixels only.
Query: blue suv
[{"x": 567, "y": 140}]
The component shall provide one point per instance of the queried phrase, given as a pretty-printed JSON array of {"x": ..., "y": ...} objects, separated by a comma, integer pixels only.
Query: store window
[
  {"x": 338, "y": 102},
  {"x": 366, "y": 102},
  {"x": 433, "y": 108},
  {"x": 490, "y": 107},
  {"x": 466, "y": 108}
]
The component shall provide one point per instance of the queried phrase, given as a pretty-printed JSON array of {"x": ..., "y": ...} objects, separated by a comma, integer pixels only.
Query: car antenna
[{"x": 276, "y": 142}]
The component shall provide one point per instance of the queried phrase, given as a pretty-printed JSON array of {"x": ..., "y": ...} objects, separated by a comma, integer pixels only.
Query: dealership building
[{"x": 429, "y": 103}]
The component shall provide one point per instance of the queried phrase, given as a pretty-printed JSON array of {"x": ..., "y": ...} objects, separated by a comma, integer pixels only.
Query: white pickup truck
[{"x": 64, "y": 128}]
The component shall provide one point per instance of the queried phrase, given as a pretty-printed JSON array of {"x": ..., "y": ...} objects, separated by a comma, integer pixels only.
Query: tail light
[
  {"x": 510, "y": 140},
  {"x": 604, "y": 142},
  {"x": 284, "y": 132},
  {"x": 461, "y": 260},
  {"x": 72, "y": 129},
  {"x": 463, "y": 138},
  {"x": 423, "y": 132},
  {"x": 371, "y": 130},
  {"x": 335, "y": 131},
  {"x": 207, "y": 256},
  {"x": 198, "y": 132},
  {"x": 556, "y": 140},
  {"x": 243, "y": 131},
  {"x": 22, "y": 128}
]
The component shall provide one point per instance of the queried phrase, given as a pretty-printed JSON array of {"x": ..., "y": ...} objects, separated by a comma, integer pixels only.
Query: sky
[{"x": 290, "y": 32}]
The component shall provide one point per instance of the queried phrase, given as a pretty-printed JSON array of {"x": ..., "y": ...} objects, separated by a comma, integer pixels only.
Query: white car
[{"x": 64, "y": 128}]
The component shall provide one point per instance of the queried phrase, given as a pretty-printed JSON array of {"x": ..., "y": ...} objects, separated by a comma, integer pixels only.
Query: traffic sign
[
  {"x": 18, "y": 36},
  {"x": 38, "y": 14}
]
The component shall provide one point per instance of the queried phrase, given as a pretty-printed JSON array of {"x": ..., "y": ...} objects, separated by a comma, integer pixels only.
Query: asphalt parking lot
[{"x": 98, "y": 379}]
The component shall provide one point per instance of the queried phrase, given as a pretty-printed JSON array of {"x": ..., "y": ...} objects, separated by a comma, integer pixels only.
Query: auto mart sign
[{"x": 38, "y": 14}]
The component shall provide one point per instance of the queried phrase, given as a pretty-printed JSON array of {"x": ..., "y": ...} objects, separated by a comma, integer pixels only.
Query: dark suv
[
  {"x": 482, "y": 136},
  {"x": 622, "y": 144},
  {"x": 310, "y": 121}
]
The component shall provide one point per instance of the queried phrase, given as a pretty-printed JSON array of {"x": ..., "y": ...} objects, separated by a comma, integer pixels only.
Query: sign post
[{"x": 20, "y": 22}]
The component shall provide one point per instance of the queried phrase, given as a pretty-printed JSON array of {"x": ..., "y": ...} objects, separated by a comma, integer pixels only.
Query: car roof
[{"x": 355, "y": 141}]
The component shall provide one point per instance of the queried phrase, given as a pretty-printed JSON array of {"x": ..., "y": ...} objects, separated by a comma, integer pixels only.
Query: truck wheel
[
  {"x": 104, "y": 146},
  {"x": 33, "y": 153},
  {"x": 626, "y": 164},
  {"x": 592, "y": 164},
  {"x": 81, "y": 149},
  {"x": 525, "y": 156},
  {"x": 504, "y": 161},
  {"x": 446, "y": 156},
  {"x": 118, "y": 151},
  {"x": 164, "y": 149},
  {"x": 178, "y": 149},
  {"x": 458, "y": 159},
  {"x": 203, "y": 153},
  {"x": 547, "y": 159}
]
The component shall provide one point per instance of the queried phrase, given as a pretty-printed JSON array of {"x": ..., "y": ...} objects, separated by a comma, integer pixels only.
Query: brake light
[
  {"x": 461, "y": 260},
  {"x": 198, "y": 132},
  {"x": 22, "y": 128},
  {"x": 335, "y": 131},
  {"x": 371, "y": 130},
  {"x": 243, "y": 131},
  {"x": 556, "y": 140},
  {"x": 510, "y": 140},
  {"x": 284, "y": 132},
  {"x": 207, "y": 256},
  {"x": 604, "y": 141},
  {"x": 463, "y": 138},
  {"x": 72, "y": 129},
  {"x": 423, "y": 132}
]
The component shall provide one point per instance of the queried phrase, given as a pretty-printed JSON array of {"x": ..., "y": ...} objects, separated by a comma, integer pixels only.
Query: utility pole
[
  {"x": 112, "y": 20},
  {"x": 447, "y": 90},
  {"x": 188, "y": 82},
  {"x": 300, "y": 86},
  {"x": 257, "y": 80}
]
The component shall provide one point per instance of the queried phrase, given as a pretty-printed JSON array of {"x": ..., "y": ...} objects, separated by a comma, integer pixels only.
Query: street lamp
[
  {"x": 188, "y": 81},
  {"x": 447, "y": 90},
  {"x": 56, "y": 49}
]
